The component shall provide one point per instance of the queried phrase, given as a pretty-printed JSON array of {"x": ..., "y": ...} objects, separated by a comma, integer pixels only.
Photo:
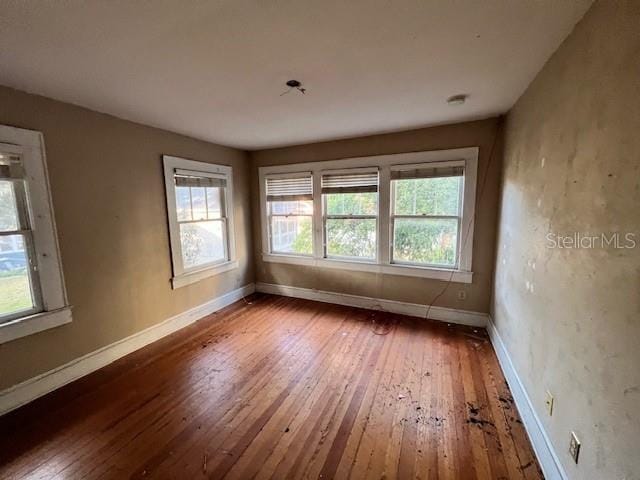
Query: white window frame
[
  {"x": 461, "y": 274},
  {"x": 459, "y": 217},
  {"x": 270, "y": 215},
  {"x": 52, "y": 307},
  {"x": 326, "y": 216},
  {"x": 184, "y": 276}
]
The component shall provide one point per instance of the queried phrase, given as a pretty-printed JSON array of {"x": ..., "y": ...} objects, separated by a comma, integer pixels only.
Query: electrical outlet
[
  {"x": 574, "y": 447},
  {"x": 462, "y": 295},
  {"x": 548, "y": 401}
]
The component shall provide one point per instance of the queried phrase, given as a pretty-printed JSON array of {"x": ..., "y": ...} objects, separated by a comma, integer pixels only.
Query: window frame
[
  {"x": 393, "y": 216},
  {"x": 326, "y": 216},
  {"x": 383, "y": 264},
  {"x": 37, "y": 220},
  {"x": 187, "y": 275},
  {"x": 270, "y": 215}
]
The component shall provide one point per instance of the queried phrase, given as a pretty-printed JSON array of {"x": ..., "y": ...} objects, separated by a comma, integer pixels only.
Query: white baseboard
[
  {"x": 29, "y": 390},
  {"x": 547, "y": 457},
  {"x": 450, "y": 315}
]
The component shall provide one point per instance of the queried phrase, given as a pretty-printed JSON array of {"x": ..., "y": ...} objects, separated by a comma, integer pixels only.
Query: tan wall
[
  {"x": 395, "y": 287},
  {"x": 578, "y": 332},
  {"x": 108, "y": 195}
]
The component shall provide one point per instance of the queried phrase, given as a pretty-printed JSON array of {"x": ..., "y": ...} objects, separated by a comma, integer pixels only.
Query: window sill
[
  {"x": 196, "y": 276},
  {"x": 38, "y": 322},
  {"x": 458, "y": 276}
]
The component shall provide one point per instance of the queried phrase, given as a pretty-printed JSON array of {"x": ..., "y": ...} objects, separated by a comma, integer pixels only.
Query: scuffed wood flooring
[{"x": 282, "y": 388}]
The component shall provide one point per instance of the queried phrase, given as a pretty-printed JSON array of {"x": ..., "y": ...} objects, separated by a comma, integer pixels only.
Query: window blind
[
  {"x": 289, "y": 188},
  {"x": 350, "y": 182},
  {"x": 196, "y": 181},
  {"x": 427, "y": 172},
  {"x": 10, "y": 166}
]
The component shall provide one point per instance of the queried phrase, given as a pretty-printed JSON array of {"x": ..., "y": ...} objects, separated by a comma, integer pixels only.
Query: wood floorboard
[{"x": 274, "y": 388}]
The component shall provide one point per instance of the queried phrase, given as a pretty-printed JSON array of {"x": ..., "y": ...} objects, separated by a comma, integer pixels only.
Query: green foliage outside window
[
  {"x": 416, "y": 240},
  {"x": 427, "y": 240}
]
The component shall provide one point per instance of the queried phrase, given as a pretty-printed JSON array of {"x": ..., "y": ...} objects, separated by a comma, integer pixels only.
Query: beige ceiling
[{"x": 216, "y": 69}]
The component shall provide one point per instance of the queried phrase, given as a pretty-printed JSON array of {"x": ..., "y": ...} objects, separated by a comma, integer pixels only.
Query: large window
[
  {"x": 290, "y": 213},
  {"x": 426, "y": 214},
  {"x": 198, "y": 199},
  {"x": 350, "y": 206},
  {"x": 406, "y": 214},
  {"x": 32, "y": 294}
]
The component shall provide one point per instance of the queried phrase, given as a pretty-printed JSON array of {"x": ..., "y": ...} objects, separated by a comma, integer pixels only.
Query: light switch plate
[{"x": 574, "y": 447}]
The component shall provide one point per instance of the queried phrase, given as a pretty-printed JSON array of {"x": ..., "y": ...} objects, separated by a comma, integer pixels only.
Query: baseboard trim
[
  {"x": 449, "y": 315},
  {"x": 29, "y": 390},
  {"x": 547, "y": 457}
]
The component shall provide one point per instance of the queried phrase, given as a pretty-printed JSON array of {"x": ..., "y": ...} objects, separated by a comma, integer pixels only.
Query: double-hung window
[
  {"x": 290, "y": 213},
  {"x": 200, "y": 224},
  {"x": 426, "y": 214},
  {"x": 350, "y": 207},
  {"x": 19, "y": 282},
  {"x": 402, "y": 214},
  {"x": 32, "y": 291}
]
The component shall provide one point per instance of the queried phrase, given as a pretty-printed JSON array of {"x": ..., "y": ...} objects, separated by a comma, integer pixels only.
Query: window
[
  {"x": 406, "y": 214},
  {"x": 19, "y": 282},
  {"x": 426, "y": 214},
  {"x": 201, "y": 230},
  {"x": 350, "y": 206},
  {"x": 32, "y": 294},
  {"x": 290, "y": 214}
]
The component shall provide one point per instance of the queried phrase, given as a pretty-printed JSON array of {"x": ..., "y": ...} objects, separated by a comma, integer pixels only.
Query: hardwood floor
[{"x": 282, "y": 388}]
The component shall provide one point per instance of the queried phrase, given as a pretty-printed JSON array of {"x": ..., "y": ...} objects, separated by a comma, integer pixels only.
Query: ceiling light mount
[
  {"x": 297, "y": 84},
  {"x": 457, "y": 99}
]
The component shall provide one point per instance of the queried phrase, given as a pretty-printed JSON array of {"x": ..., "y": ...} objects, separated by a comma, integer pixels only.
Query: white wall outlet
[
  {"x": 462, "y": 295},
  {"x": 548, "y": 402},
  {"x": 574, "y": 447}
]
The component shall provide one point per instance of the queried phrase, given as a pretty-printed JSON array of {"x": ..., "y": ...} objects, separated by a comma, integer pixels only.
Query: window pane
[
  {"x": 183, "y": 203},
  {"x": 352, "y": 203},
  {"x": 425, "y": 240},
  {"x": 295, "y": 207},
  {"x": 15, "y": 288},
  {"x": 214, "y": 195},
  {"x": 198, "y": 203},
  {"x": 8, "y": 211},
  {"x": 351, "y": 237},
  {"x": 291, "y": 234},
  {"x": 428, "y": 196},
  {"x": 202, "y": 243}
]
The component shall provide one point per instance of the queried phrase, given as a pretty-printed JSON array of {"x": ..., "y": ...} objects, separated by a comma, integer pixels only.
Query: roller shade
[
  {"x": 427, "y": 172},
  {"x": 350, "y": 182},
  {"x": 10, "y": 167},
  {"x": 289, "y": 188},
  {"x": 197, "y": 181}
]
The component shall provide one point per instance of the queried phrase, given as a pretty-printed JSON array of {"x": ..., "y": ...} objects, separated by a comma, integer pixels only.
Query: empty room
[{"x": 296, "y": 239}]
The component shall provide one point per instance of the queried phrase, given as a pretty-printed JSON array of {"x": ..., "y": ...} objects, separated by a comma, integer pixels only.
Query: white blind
[
  {"x": 350, "y": 182},
  {"x": 10, "y": 166},
  {"x": 197, "y": 181},
  {"x": 427, "y": 172},
  {"x": 290, "y": 188}
]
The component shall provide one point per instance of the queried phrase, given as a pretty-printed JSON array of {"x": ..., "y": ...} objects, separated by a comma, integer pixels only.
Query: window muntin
[
  {"x": 19, "y": 283},
  {"x": 290, "y": 214},
  {"x": 201, "y": 218},
  {"x": 426, "y": 216},
  {"x": 350, "y": 214}
]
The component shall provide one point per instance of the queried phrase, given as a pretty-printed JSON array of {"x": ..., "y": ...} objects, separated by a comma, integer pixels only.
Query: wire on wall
[{"x": 471, "y": 220}]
